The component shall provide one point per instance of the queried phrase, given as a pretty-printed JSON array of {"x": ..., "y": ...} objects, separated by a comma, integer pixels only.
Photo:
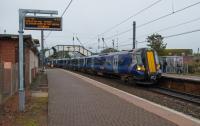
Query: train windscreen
[{"x": 139, "y": 58}]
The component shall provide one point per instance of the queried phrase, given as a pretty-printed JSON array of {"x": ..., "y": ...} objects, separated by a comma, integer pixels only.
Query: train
[{"x": 139, "y": 65}]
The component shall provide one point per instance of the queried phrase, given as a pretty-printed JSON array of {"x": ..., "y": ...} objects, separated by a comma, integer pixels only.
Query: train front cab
[
  {"x": 154, "y": 71},
  {"x": 149, "y": 66}
]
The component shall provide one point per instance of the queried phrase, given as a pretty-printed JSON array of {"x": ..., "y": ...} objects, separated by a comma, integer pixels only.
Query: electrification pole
[
  {"x": 134, "y": 33},
  {"x": 73, "y": 47}
]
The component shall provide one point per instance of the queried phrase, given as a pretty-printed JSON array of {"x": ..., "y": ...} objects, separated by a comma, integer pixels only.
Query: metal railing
[
  {"x": 8, "y": 81},
  {"x": 174, "y": 69}
]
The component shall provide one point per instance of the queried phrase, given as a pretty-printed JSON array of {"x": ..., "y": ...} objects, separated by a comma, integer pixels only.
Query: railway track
[
  {"x": 166, "y": 91},
  {"x": 177, "y": 94}
]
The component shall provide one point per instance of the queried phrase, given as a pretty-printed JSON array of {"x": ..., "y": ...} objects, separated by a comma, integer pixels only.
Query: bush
[{"x": 194, "y": 68}]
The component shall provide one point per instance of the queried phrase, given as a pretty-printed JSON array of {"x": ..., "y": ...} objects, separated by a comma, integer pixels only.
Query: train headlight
[{"x": 140, "y": 68}]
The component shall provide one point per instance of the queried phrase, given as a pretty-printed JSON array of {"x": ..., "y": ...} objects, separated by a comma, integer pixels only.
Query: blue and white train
[{"x": 140, "y": 65}]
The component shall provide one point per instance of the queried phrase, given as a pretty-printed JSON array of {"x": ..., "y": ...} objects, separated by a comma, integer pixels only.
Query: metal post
[
  {"x": 21, "y": 64},
  {"x": 117, "y": 41},
  {"x": 22, "y": 13},
  {"x": 103, "y": 43},
  {"x": 98, "y": 43},
  {"x": 73, "y": 47},
  {"x": 42, "y": 48},
  {"x": 134, "y": 32},
  {"x": 63, "y": 52},
  {"x": 113, "y": 43}
]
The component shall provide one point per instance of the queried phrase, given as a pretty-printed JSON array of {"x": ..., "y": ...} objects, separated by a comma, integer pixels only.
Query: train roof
[
  {"x": 107, "y": 54},
  {"x": 122, "y": 52}
]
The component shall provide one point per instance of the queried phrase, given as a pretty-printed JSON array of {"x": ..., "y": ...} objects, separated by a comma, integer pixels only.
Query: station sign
[{"x": 42, "y": 23}]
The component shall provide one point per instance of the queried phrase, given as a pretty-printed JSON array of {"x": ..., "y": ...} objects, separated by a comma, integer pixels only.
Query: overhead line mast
[{"x": 139, "y": 12}]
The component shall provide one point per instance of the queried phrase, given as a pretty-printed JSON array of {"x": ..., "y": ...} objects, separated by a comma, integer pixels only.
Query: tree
[
  {"x": 109, "y": 50},
  {"x": 66, "y": 54},
  {"x": 55, "y": 53},
  {"x": 155, "y": 41}
]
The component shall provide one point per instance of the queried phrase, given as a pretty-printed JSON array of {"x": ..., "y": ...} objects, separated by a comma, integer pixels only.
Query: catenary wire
[
  {"x": 139, "y": 12},
  {"x": 154, "y": 20},
  {"x": 172, "y": 27},
  {"x": 61, "y": 16},
  {"x": 164, "y": 16},
  {"x": 183, "y": 33},
  {"x": 169, "y": 36},
  {"x": 67, "y": 8}
]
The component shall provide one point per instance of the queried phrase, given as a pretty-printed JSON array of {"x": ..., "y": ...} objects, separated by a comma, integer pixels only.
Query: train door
[
  {"x": 115, "y": 64},
  {"x": 79, "y": 63},
  {"x": 151, "y": 62}
]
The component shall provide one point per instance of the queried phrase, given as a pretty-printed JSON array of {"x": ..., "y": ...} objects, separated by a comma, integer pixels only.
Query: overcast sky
[{"x": 88, "y": 18}]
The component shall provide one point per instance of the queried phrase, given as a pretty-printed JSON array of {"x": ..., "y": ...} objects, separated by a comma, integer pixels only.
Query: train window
[
  {"x": 139, "y": 58},
  {"x": 129, "y": 59},
  {"x": 134, "y": 59},
  {"x": 96, "y": 61},
  {"x": 102, "y": 60},
  {"x": 89, "y": 61},
  {"x": 156, "y": 57},
  {"x": 81, "y": 62}
]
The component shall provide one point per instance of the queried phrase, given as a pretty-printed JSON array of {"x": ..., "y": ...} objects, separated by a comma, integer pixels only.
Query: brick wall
[
  {"x": 7, "y": 51},
  {"x": 7, "y": 54}
]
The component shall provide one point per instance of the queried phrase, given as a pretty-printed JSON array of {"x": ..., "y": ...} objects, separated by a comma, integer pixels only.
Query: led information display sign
[{"x": 42, "y": 23}]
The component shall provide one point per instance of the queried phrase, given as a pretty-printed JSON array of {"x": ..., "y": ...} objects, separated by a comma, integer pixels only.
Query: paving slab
[{"x": 75, "y": 102}]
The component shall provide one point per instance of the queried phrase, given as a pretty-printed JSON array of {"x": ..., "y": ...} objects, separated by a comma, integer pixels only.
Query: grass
[
  {"x": 36, "y": 108},
  {"x": 35, "y": 114},
  {"x": 40, "y": 79}
]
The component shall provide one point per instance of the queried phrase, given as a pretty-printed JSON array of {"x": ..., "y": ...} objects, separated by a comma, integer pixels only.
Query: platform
[
  {"x": 182, "y": 77},
  {"x": 75, "y": 100}
]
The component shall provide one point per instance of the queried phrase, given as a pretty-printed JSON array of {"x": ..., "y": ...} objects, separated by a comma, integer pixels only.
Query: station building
[{"x": 9, "y": 44}]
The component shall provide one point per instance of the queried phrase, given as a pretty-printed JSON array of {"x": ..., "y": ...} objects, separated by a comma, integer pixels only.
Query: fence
[
  {"x": 173, "y": 64},
  {"x": 8, "y": 80},
  {"x": 180, "y": 64},
  {"x": 180, "y": 69}
]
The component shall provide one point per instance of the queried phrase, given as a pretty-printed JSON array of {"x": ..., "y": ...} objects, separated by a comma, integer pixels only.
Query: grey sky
[{"x": 88, "y": 18}]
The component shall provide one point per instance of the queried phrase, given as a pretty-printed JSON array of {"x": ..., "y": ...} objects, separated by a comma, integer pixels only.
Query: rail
[{"x": 177, "y": 94}]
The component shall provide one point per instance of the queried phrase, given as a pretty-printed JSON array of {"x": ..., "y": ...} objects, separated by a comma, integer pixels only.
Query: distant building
[{"x": 178, "y": 52}]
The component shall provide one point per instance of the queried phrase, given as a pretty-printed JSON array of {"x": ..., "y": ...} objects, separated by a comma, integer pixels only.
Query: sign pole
[
  {"x": 21, "y": 63},
  {"x": 56, "y": 25},
  {"x": 42, "y": 48}
]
